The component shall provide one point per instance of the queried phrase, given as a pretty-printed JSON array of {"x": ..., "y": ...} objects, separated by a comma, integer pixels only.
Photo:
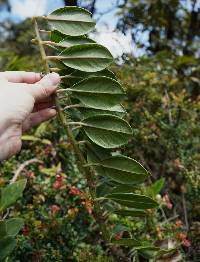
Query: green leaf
[
  {"x": 148, "y": 252},
  {"x": 119, "y": 228},
  {"x": 131, "y": 213},
  {"x": 117, "y": 110},
  {"x": 123, "y": 169},
  {"x": 76, "y": 76},
  {"x": 3, "y": 230},
  {"x": 57, "y": 36},
  {"x": 60, "y": 65},
  {"x": 75, "y": 40},
  {"x": 7, "y": 244},
  {"x": 14, "y": 225},
  {"x": 36, "y": 139},
  {"x": 102, "y": 190},
  {"x": 133, "y": 200},
  {"x": 98, "y": 92},
  {"x": 30, "y": 138},
  {"x": 11, "y": 193},
  {"x": 88, "y": 57},
  {"x": 130, "y": 242},
  {"x": 69, "y": 42},
  {"x": 124, "y": 188},
  {"x": 107, "y": 131},
  {"x": 157, "y": 186},
  {"x": 73, "y": 21},
  {"x": 96, "y": 153}
]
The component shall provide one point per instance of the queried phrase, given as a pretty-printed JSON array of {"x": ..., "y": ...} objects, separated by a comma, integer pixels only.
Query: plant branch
[
  {"x": 35, "y": 41},
  {"x": 185, "y": 212},
  {"x": 87, "y": 171},
  {"x": 22, "y": 167},
  {"x": 17, "y": 174},
  {"x": 42, "y": 50},
  {"x": 72, "y": 106}
]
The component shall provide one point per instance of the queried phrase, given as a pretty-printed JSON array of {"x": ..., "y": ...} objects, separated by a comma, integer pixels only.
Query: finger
[
  {"x": 41, "y": 106},
  {"x": 21, "y": 77},
  {"x": 37, "y": 118},
  {"x": 45, "y": 87},
  {"x": 46, "y": 100}
]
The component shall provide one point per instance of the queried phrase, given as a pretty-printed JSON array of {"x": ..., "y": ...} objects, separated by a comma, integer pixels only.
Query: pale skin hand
[{"x": 25, "y": 101}]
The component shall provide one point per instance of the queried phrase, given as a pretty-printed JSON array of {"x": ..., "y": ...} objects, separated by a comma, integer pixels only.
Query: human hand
[{"x": 25, "y": 101}]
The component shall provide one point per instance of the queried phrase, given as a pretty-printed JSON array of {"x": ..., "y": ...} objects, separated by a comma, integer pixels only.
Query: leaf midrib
[
  {"x": 83, "y": 57},
  {"x": 54, "y": 18},
  {"x": 107, "y": 129},
  {"x": 93, "y": 92},
  {"x": 118, "y": 169}
]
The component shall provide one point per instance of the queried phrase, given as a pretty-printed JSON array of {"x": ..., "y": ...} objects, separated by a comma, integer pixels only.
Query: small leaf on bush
[
  {"x": 157, "y": 186},
  {"x": 133, "y": 200},
  {"x": 119, "y": 228},
  {"x": 7, "y": 244},
  {"x": 73, "y": 21},
  {"x": 3, "y": 229},
  {"x": 14, "y": 225},
  {"x": 11, "y": 193},
  {"x": 107, "y": 131},
  {"x": 88, "y": 57}
]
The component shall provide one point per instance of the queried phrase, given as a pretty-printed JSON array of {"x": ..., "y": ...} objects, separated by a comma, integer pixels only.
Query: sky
[{"x": 105, "y": 34}]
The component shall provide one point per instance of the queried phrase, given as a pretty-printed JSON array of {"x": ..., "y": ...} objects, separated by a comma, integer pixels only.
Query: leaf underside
[
  {"x": 107, "y": 131},
  {"x": 73, "y": 21},
  {"x": 133, "y": 200},
  {"x": 87, "y": 57},
  {"x": 98, "y": 92}
]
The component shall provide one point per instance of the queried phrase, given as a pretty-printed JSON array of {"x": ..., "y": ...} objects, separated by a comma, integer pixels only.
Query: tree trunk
[{"x": 71, "y": 2}]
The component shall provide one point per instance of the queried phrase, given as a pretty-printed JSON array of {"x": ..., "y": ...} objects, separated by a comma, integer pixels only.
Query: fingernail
[
  {"x": 54, "y": 78},
  {"x": 52, "y": 112}
]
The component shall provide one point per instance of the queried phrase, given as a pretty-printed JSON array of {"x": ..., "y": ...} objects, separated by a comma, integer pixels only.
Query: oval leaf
[
  {"x": 11, "y": 193},
  {"x": 7, "y": 244},
  {"x": 71, "y": 78},
  {"x": 107, "y": 131},
  {"x": 14, "y": 225},
  {"x": 123, "y": 169},
  {"x": 3, "y": 229},
  {"x": 133, "y": 200},
  {"x": 88, "y": 57},
  {"x": 57, "y": 36},
  {"x": 74, "y": 40},
  {"x": 73, "y": 21},
  {"x": 98, "y": 92},
  {"x": 117, "y": 110},
  {"x": 96, "y": 153}
]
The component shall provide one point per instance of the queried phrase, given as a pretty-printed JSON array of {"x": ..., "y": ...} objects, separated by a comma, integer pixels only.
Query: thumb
[{"x": 45, "y": 87}]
